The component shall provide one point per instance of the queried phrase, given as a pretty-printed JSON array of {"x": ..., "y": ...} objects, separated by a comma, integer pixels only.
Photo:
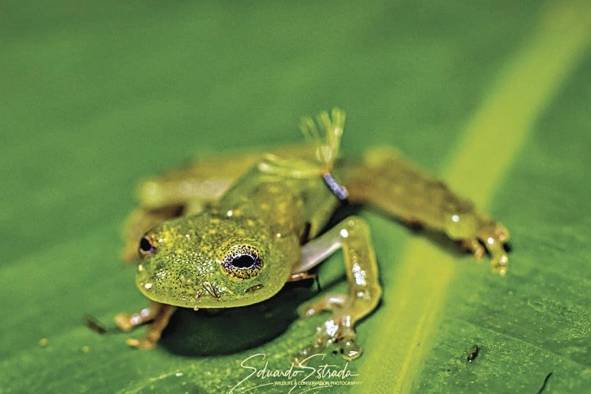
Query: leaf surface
[{"x": 494, "y": 98}]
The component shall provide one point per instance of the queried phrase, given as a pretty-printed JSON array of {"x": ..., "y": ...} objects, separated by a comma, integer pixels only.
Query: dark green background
[{"x": 96, "y": 96}]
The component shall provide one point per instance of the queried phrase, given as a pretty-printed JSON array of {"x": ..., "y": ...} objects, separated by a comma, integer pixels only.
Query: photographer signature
[{"x": 299, "y": 374}]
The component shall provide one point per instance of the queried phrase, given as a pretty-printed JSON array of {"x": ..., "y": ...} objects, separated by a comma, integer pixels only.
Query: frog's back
[
  {"x": 286, "y": 189},
  {"x": 301, "y": 205}
]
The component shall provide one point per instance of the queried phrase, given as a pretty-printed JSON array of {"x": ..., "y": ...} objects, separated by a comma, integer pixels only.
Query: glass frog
[{"x": 231, "y": 230}]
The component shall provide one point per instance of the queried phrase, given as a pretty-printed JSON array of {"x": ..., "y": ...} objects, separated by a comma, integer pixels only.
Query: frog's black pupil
[
  {"x": 145, "y": 245},
  {"x": 243, "y": 261}
]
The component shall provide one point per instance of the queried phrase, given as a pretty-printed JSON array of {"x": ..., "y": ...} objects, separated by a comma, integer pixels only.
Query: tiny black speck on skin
[{"x": 473, "y": 353}]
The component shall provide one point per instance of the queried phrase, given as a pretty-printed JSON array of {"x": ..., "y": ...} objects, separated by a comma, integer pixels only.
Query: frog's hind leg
[
  {"x": 352, "y": 235},
  {"x": 387, "y": 181}
]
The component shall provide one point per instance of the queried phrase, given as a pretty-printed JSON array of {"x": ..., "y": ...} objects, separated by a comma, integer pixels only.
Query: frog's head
[{"x": 214, "y": 261}]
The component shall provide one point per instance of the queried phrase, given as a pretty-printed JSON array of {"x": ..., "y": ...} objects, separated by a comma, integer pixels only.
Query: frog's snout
[
  {"x": 144, "y": 279},
  {"x": 154, "y": 280}
]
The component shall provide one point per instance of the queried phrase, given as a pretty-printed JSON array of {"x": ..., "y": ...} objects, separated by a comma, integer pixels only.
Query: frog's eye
[
  {"x": 243, "y": 262},
  {"x": 146, "y": 247}
]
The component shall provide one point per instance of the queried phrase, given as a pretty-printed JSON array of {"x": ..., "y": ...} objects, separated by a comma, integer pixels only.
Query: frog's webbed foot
[
  {"x": 128, "y": 321},
  {"x": 336, "y": 334},
  {"x": 158, "y": 314},
  {"x": 491, "y": 239},
  {"x": 124, "y": 321}
]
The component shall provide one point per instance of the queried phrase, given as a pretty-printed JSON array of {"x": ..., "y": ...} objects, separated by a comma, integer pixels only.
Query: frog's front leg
[
  {"x": 157, "y": 314},
  {"x": 352, "y": 234}
]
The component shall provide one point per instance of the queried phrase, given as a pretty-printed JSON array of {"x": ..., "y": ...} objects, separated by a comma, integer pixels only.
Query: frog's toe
[
  {"x": 124, "y": 322},
  {"x": 494, "y": 238},
  {"x": 348, "y": 349},
  {"x": 500, "y": 263},
  {"x": 474, "y": 246},
  {"x": 140, "y": 343},
  {"x": 335, "y": 335}
]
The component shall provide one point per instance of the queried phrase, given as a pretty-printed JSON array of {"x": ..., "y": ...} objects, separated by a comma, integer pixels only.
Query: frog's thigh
[{"x": 352, "y": 234}]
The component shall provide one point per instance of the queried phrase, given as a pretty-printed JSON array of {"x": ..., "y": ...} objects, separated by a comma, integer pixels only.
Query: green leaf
[{"x": 494, "y": 98}]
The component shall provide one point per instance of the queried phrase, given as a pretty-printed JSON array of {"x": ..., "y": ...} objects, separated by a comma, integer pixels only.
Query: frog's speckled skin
[{"x": 269, "y": 209}]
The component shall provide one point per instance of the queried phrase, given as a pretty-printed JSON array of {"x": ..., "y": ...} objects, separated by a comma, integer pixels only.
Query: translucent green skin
[
  {"x": 265, "y": 213},
  {"x": 274, "y": 211},
  {"x": 264, "y": 230}
]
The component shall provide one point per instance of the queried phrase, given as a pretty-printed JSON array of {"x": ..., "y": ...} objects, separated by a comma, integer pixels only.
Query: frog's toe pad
[
  {"x": 494, "y": 238},
  {"x": 123, "y": 322},
  {"x": 140, "y": 343},
  {"x": 347, "y": 348},
  {"x": 500, "y": 264}
]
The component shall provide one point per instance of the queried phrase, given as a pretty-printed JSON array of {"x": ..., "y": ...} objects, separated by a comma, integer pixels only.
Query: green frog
[{"x": 232, "y": 230}]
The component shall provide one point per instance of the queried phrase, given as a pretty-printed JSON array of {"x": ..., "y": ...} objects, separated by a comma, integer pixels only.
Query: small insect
[
  {"x": 232, "y": 230},
  {"x": 473, "y": 353},
  {"x": 545, "y": 383}
]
